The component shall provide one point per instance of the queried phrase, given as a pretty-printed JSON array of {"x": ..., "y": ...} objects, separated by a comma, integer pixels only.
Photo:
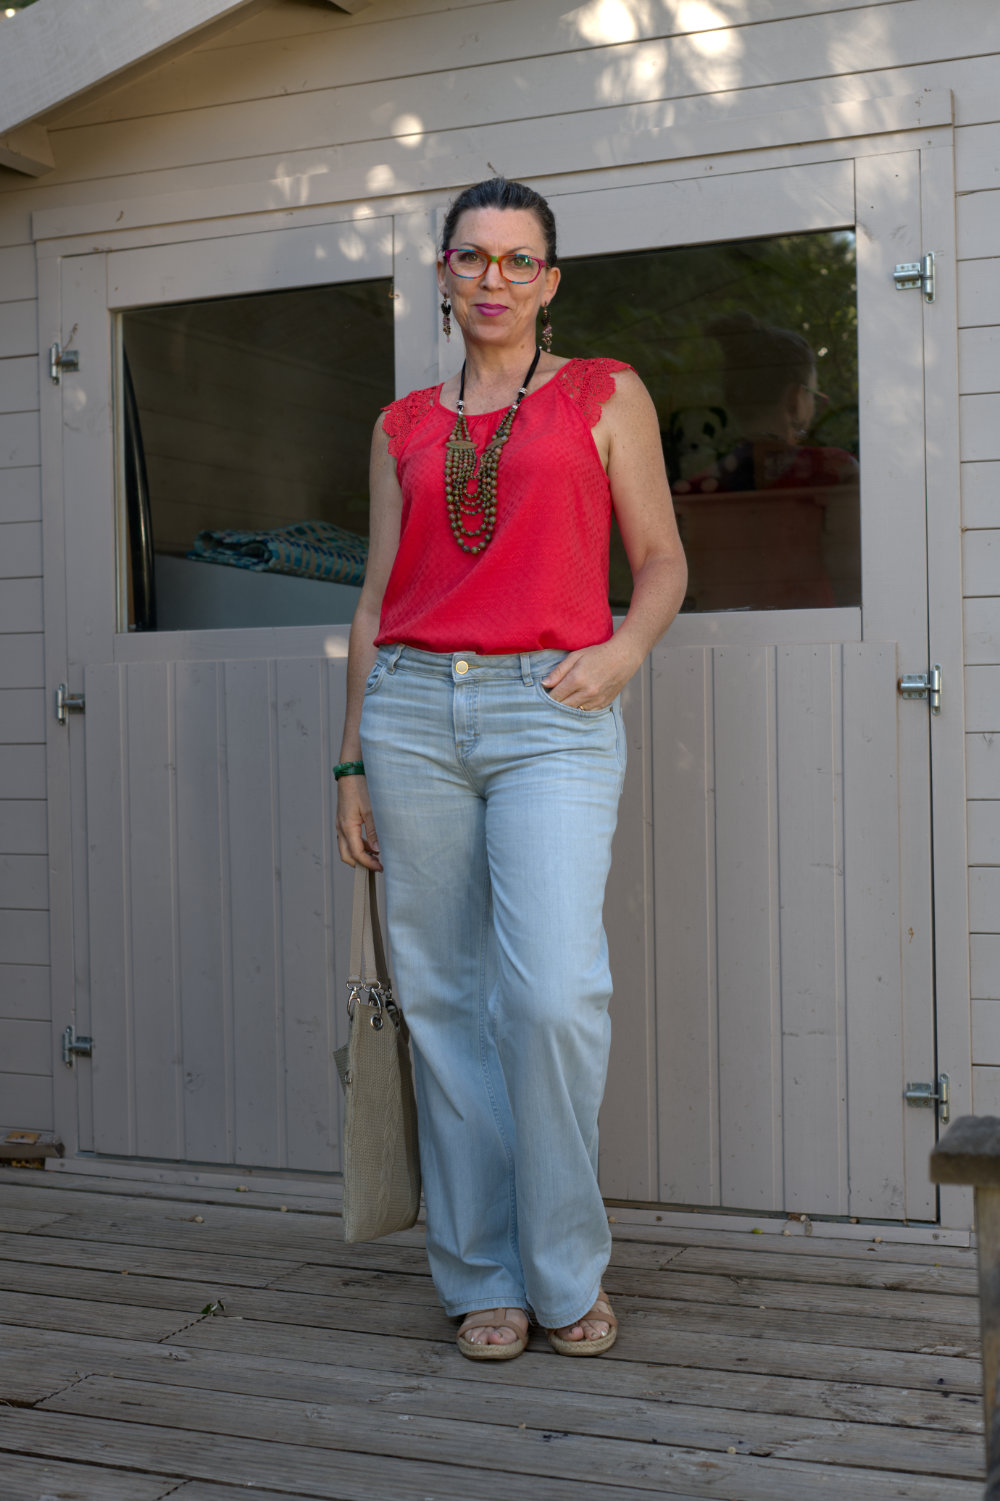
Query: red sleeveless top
[{"x": 543, "y": 579}]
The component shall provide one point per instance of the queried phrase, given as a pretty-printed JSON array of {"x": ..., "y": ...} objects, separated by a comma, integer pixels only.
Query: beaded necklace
[{"x": 461, "y": 471}]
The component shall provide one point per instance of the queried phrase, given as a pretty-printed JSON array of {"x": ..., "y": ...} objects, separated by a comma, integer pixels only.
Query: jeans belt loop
[
  {"x": 395, "y": 652},
  {"x": 526, "y": 675}
]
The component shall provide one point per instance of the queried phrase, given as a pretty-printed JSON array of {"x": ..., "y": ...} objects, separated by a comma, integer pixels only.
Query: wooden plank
[
  {"x": 18, "y": 331},
  {"x": 982, "y": 698},
  {"x": 984, "y": 953},
  {"x": 19, "y": 441},
  {"x": 205, "y": 1018},
  {"x": 986, "y": 1090},
  {"x": 18, "y": 380},
  {"x": 704, "y": 1309},
  {"x": 978, "y": 297},
  {"x": 21, "y": 604},
  {"x": 982, "y": 632},
  {"x": 22, "y": 770},
  {"x": 24, "y": 881},
  {"x": 528, "y": 1450},
  {"x": 810, "y": 863},
  {"x": 25, "y": 991},
  {"x": 264, "y": 1465},
  {"x": 349, "y": 1394},
  {"x": 153, "y": 979},
  {"x": 683, "y": 817},
  {"x": 747, "y": 926},
  {"x": 982, "y": 772},
  {"x": 750, "y": 1290},
  {"x": 37, "y": 1362},
  {"x": 21, "y": 662},
  {"x": 977, "y": 158},
  {"x": 157, "y": 1260},
  {"x": 78, "y": 1315},
  {"x": 23, "y": 714},
  {"x": 984, "y": 829},
  {"x": 26, "y": 1047},
  {"x": 17, "y": 273},
  {"x": 252, "y": 856},
  {"x": 20, "y": 495},
  {"x": 979, "y": 416},
  {"x": 108, "y": 897},
  {"x": 310, "y": 984},
  {"x": 985, "y": 1032},
  {"x": 872, "y": 915},
  {"x": 984, "y": 901},
  {"x": 23, "y": 828},
  {"x": 628, "y": 1166},
  {"x": 24, "y": 937},
  {"x": 28, "y": 1479},
  {"x": 977, "y": 215},
  {"x": 22, "y": 540},
  {"x": 847, "y": 1271},
  {"x": 682, "y": 1349},
  {"x": 979, "y": 357}
]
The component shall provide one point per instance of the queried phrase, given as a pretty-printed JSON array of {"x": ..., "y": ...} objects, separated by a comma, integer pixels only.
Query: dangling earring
[
  {"x": 546, "y": 329},
  {"x": 446, "y": 320}
]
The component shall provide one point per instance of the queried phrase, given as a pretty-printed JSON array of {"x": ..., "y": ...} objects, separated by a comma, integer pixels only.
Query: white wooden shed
[{"x": 230, "y": 209}]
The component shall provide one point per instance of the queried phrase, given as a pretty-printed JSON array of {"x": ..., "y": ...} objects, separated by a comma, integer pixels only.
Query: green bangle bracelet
[{"x": 349, "y": 769}]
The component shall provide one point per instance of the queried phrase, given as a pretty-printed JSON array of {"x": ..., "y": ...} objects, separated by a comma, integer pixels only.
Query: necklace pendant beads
[{"x": 470, "y": 488}]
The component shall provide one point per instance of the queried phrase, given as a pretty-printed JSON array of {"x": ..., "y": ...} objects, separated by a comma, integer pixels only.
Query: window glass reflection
[
  {"x": 750, "y": 352},
  {"x": 246, "y": 425}
]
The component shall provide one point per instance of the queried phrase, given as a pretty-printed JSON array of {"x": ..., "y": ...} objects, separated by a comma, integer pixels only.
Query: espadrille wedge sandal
[
  {"x": 601, "y": 1313},
  {"x": 494, "y": 1318}
]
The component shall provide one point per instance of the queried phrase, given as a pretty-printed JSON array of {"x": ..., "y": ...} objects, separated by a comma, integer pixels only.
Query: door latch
[
  {"x": 918, "y": 275},
  {"x": 62, "y": 359},
  {"x": 926, "y": 1094},
  {"x": 68, "y": 703},
  {"x": 922, "y": 685},
  {"x": 74, "y": 1047}
]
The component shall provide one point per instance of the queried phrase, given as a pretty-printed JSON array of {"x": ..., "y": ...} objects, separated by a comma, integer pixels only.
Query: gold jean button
[{"x": 461, "y": 668}]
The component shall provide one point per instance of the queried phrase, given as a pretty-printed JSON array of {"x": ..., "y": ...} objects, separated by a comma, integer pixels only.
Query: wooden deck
[{"x": 155, "y": 1343}]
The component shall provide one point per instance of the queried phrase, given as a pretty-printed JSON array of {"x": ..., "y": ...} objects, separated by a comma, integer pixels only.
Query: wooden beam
[
  {"x": 27, "y": 150},
  {"x": 53, "y": 52}
]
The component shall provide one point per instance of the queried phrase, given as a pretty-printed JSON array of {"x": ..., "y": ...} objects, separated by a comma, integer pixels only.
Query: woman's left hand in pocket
[{"x": 591, "y": 678}]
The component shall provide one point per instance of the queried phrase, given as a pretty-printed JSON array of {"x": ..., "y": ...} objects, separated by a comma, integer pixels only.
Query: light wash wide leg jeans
[{"x": 495, "y": 808}]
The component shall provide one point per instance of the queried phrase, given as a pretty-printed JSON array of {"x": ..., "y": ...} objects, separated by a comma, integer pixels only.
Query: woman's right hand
[{"x": 356, "y": 837}]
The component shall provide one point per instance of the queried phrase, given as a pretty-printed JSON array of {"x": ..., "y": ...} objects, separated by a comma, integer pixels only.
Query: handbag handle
[{"x": 368, "y": 966}]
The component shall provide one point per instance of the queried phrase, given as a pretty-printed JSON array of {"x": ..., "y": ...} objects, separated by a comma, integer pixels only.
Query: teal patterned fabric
[{"x": 310, "y": 549}]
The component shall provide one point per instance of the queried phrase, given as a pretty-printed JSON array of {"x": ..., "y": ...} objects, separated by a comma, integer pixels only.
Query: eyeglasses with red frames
[{"x": 516, "y": 266}]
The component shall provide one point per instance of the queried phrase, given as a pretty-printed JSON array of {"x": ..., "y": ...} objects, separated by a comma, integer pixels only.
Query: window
[
  {"x": 749, "y": 349},
  {"x": 246, "y": 427}
]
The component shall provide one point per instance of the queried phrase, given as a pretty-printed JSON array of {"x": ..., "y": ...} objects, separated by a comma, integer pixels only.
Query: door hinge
[
  {"x": 62, "y": 359},
  {"x": 923, "y": 685},
  {"x": 74, "y": 1047},
  {"x": 68, "y": 703},
  {"x": 926, "y": 1094},
  {"x": 918, "y": 275}
]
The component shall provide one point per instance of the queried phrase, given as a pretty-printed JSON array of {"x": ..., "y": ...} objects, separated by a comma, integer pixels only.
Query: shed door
[
  {"x": 209, "y": 934},
  {"x": 770, "y": 905}
]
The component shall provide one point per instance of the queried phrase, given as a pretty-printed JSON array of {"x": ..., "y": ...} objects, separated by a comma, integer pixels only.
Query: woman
[{"x": 483, "y": 720}]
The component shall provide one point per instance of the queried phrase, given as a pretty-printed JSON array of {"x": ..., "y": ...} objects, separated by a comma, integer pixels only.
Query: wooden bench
[{"x": 969, "y": 1153}]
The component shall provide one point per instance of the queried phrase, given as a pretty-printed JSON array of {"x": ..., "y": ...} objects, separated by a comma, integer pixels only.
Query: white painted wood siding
[
  {"x": 25, "y": 1021},
  {"x": 301, "y": 105}
]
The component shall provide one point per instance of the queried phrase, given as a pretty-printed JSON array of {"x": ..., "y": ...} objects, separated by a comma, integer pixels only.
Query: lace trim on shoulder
[
  {"x": 402, "y": 416},
  {"x": 590, "y": 383}
]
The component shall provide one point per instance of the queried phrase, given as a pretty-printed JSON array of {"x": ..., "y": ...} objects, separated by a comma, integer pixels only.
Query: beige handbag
[{"x": 381, "y": 1165}]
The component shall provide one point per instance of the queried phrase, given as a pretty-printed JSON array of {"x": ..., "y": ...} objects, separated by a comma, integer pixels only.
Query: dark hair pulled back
[
  {"x": 761, "y": 361},
  {"x": 499, "y": 192}
]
